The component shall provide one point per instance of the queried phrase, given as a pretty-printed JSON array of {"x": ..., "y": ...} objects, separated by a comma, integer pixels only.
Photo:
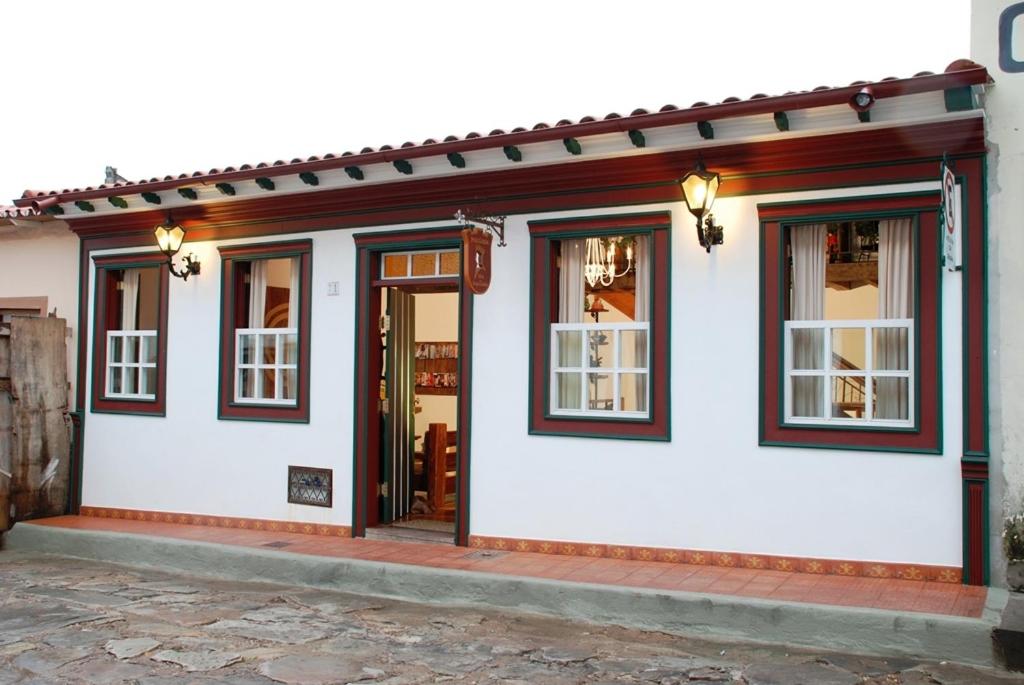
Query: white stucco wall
[
  {"x": 41, "y": 259},
  {"x": 1004, "y": 102},
  {"x": 711, "y": 487}
]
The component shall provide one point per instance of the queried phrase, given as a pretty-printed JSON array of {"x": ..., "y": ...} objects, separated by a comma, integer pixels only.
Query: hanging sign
[
  {"x": 476, "y": 259},
  {"x": 950, "y": 225}
]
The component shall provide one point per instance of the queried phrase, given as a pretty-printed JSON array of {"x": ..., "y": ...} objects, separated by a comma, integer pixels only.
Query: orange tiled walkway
[{"x": 894, "y": 594}]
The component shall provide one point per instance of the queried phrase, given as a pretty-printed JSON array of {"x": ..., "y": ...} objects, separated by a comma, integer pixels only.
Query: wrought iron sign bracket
[{"x": 494, "y": 224}]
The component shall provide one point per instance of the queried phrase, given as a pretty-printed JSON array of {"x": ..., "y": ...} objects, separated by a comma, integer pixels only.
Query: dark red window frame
[
  {"x": 104, "y": 309},
  {"x": 543, "y": 278},
  {"x": 230, "y": 285},
  {"x": 926, "y": 435}
]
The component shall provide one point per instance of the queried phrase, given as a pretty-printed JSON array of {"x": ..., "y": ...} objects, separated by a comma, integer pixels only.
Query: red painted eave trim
[{"x": 766, "y": 105}]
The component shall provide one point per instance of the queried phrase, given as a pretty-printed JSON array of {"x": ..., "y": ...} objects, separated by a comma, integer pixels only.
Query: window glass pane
[
  {"x": 424, "y": 264},
  {"x": 848, "y": 348},
  {"x": 396, "y": 266},
  {"x": 892, "y": 398},
  {"x": 289, "y": 384},
  {"x": 567, "y": 390},
  {"x": 115, "y": 348},
  {"x": 148, "y": 382},
  {"x": 633, "y": 392},
  {"x": 600, "y": 391},
  {"x": 247, "y": 383},
  {"x": 131, "y": 349},
  {"x": 275, "y": 277},
  {"x": 269, "y": 349},
  {"x": 601, "y": 348},
  {"x": 148, "y": 299},
  {"x": 851, "y": 271},
  {"x": 449, "y": 263},
  {"x": 290, "y": 349},
  {"x": 115, "y": 380},
  {"x": 570, "y": 348},
  {"x": 808, "y": 348},
  {"x": 848, "y": 397},
  {"x": 808, "y": 396},
  {"x": 633, "y": 349},
  {"x": 267, "y": 392},
  {"x": 149, "y": 350},
  {"x": 247, "y": 349},
  {"x": 891, "y": 349},
  {"x": 131, "y": 380}
]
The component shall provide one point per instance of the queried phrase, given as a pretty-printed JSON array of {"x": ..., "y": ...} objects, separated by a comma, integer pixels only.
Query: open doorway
[
  {"x": 419, "y": 412},
  {"x": 412, "y": 460}
]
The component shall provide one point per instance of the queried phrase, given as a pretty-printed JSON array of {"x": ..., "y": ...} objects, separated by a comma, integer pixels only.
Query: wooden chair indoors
[{"x": 439, "y": 447}]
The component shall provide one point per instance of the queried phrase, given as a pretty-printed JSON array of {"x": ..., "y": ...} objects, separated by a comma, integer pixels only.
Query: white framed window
[
  {"x": 600, "y": 369},
  {"x": 848, "y": 339},
  {"x": 265, "y": 331},
  {"x": 267, "y": 350},
  {"x": 824, "y": 386},
  {"x": 266, "y": 365},
  {"x": 131, "y": 365}
]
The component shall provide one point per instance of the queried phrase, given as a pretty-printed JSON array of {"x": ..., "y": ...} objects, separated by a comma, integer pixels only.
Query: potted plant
[{"x": 1013, "y": 546}]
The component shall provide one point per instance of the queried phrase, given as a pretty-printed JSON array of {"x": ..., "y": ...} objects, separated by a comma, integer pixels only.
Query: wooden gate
[{"x": 35, "y": 436}]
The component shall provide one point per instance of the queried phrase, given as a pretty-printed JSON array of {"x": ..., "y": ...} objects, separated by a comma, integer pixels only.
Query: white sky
[{"x": 161, "y": 88}]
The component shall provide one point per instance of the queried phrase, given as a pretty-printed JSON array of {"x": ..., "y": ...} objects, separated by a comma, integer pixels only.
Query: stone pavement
[{"x": 73, "y": 621}]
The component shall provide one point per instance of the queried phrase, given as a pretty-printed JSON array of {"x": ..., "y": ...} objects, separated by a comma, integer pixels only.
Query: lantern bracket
[
  {"x": 494, "y": 224},
  {"x": 189, "y": 268},
  {"x": 709, "y": 234}
]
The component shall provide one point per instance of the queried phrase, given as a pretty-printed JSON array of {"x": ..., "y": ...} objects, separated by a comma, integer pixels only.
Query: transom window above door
[{"x": 420, "y": 264}]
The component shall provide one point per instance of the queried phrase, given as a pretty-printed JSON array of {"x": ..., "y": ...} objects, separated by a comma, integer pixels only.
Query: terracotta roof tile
[
  {"x": 953, "y": 76},
  {"x": 12, "y": 212}
]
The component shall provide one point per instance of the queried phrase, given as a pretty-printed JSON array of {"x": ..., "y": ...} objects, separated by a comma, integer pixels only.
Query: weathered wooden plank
[
  {"x": 5, "y": 354},
  {"x": 40, "y": 436},
  {"x": 5, "y": 460}
]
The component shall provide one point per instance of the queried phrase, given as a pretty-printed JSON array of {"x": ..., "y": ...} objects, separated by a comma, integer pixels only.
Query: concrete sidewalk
[{"x": 859, "y": 630}]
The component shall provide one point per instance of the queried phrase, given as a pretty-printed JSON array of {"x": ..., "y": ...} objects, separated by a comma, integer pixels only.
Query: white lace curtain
[
  {"x": 571, "y": 297},
  {"x": 895, "y": 301},
  {"x": 642, "y": 312},
  {"x": 571, "y": 302},
  {"x": 130, "y": 299},
  {"x": 807, "y": 244}
]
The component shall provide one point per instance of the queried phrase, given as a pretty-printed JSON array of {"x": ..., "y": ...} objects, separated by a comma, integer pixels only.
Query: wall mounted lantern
[
  {"x": 700, "y": 187},
  {"x": 169, "y": 237}
]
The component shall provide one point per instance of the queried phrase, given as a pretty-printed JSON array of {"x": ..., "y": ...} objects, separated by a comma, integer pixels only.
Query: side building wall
[
  {"x": 40, "y": 259},
  {"x": 711, "y": 487},
  {"x": 1004, "y": 102}
]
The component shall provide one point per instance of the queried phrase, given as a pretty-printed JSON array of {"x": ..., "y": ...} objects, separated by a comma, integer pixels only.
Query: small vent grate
[{"x": 309, "y": 486}]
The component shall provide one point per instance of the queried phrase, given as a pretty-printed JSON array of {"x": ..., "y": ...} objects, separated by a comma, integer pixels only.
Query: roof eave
[{"x": 971, "y": 75}]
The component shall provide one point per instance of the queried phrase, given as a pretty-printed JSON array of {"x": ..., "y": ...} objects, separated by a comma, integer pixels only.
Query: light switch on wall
[{"x": 332, "y": 288}]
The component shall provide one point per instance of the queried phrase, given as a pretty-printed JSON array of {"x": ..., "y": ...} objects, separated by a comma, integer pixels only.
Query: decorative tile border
[
  {"x": 837, "y": 567},
  {"x": 219, "y": 521}
]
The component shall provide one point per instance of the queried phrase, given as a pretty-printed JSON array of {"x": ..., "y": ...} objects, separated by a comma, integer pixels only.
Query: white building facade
[{"x": 802, "y": 396}]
